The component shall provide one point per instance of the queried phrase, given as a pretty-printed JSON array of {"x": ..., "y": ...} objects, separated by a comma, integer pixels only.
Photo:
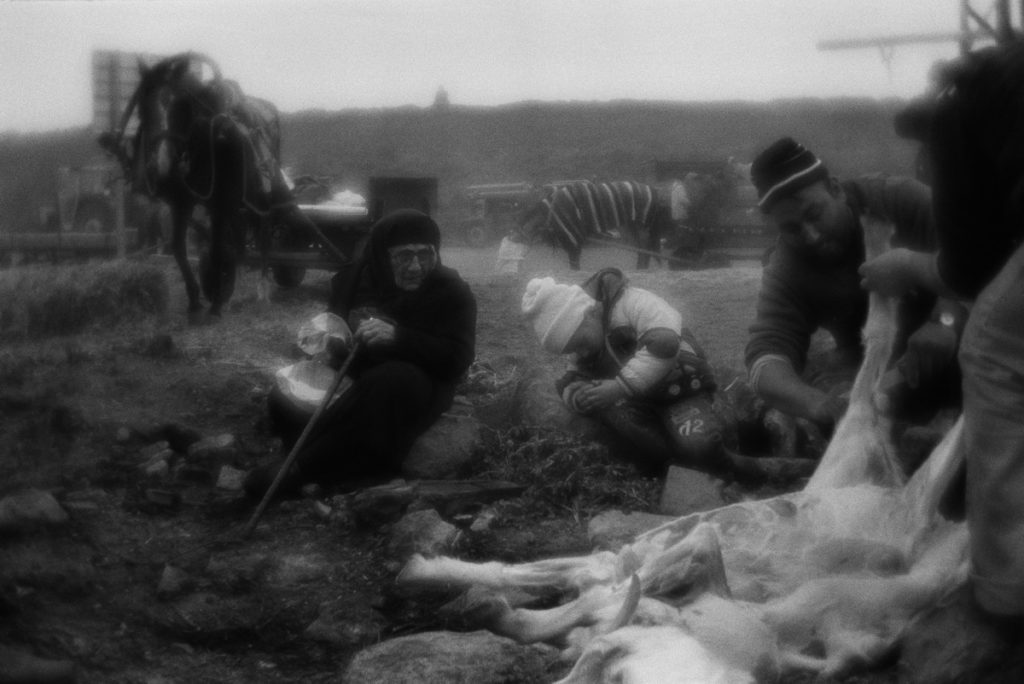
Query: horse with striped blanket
[{"x": 569, "y": 214}]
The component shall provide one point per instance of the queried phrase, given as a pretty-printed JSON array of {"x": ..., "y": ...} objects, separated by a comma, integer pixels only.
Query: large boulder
[
  {"x": 444, "y": 451},
  {"x": 422, "y": 532},
  {"x": 28, "y": 509},
  {"x": 536, "y": 403},
  {"x": 690, "y": 491},
  {"x": 347, "y": 623},
  {"x": 449, "y": 658}
]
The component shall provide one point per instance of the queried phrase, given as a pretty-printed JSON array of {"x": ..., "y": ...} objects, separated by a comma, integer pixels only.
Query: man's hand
[
  {"x": 929, "y": 350},
  {"x": 374, "y": 332},
  {"x": 895, "y": 272},
  {"x": 599, "y": 395},
  {"x": 827, "y": 413}
]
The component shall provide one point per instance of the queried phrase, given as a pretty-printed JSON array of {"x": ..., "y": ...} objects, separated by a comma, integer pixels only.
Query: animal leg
[
  {"x": 861, "y": 450},
  {"x": 591, "y": 608},
  {"x": 559, "y": 573},
  {"x": 691, "y": 566},
  {"x": 181, "y": 212},
  {"x": 221, "y": 270}
]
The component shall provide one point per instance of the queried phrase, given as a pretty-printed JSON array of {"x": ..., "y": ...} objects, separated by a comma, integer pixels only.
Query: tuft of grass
[
  {"x": 49, "y": 301},
  {"x": 564, "y": 472}
]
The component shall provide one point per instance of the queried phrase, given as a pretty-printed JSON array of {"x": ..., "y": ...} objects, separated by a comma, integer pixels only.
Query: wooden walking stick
[{"x": 335, "y": 384}]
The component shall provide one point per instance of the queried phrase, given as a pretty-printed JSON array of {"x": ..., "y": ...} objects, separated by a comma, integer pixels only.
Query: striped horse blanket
[{"x": 582, "y": 209}]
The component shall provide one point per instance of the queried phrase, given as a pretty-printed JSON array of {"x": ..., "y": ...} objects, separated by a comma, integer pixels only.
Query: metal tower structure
[{"x": 982, "y": 22}]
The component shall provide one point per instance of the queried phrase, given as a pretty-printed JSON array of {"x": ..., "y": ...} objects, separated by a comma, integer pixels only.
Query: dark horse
[{"x": 201, "y": 142}]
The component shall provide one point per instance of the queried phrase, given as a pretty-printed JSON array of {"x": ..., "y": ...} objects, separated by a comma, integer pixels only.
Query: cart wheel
[{"x": 476, "y": 235}]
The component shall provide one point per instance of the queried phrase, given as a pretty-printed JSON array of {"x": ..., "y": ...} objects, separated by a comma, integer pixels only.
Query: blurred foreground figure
[
  {"x": 415, "y": 323},
  {"x": 972, "y": 131}
]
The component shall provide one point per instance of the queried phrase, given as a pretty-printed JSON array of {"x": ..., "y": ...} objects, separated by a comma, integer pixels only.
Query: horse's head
[
  {"x": 532, "y": 222},
  {"x": 171, "y": 97}
]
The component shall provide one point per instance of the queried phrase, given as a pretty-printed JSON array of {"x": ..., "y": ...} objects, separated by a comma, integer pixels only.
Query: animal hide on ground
[{"x": 825, "y": 579}]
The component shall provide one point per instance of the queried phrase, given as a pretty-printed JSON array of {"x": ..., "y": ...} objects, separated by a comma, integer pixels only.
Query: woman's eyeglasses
[{"x": 404, "y": 257}]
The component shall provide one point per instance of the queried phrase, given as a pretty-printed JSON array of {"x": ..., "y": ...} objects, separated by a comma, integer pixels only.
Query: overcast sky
[{"x": 337, "y": 54}]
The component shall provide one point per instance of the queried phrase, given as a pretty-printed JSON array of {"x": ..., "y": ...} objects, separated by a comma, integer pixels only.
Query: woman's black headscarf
[{"x": 370, "y": 284}]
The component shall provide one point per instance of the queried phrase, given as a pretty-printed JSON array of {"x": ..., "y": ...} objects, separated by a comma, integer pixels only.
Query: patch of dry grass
[
  {"x": 563, "y": 472},
  {"x": 47, "y": 301}
]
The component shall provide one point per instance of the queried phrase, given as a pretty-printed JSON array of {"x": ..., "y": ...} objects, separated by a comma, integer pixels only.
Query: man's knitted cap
[
  {"x": 555, "y": 310},
  {"x": 781, "y": 169}
]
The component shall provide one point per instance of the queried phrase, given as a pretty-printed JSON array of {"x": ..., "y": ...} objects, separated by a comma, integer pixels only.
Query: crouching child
[{"x": 633, "y": 365}]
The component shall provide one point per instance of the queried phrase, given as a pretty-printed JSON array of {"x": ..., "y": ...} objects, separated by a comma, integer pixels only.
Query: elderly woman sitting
[{"x": 415, "y": 323}]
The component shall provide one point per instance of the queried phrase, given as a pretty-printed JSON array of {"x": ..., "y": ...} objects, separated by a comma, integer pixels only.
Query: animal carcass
[{"x": 822, "y": 579}]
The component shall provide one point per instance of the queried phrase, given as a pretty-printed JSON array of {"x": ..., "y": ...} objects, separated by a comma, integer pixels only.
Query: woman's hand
[
  {"x": 374, "y": 332},
  {"x": 599, "y": 395}
]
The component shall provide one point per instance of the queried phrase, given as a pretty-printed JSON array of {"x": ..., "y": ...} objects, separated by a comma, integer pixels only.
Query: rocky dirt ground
[{"x": 148, "y": 578}]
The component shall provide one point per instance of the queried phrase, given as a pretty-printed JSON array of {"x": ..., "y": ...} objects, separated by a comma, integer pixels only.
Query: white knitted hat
[{"x": 555, "y": 310}]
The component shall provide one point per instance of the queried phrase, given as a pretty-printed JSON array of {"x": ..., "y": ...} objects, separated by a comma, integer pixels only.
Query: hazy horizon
[{"x": 341, "y": 55}]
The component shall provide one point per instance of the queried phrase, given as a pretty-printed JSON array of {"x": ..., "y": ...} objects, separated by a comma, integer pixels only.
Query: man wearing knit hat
[
  {"x": 634, "y": 367},
  {"x": 811, "y": 283}
]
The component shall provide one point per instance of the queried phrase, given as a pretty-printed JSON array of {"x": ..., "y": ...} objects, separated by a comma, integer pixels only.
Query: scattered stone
[
  {"x": 610, "y": 530},
  {"x": 483, "y": 522},
  {"x": 123, "y": 435},
  {"x": 422, "y": 532},
  {"x": 445, "y": 450},
  {"x": 84, "y": 501},
  {"x": 294, "y": 569},
  {"x": 689, "y": 491},
  {"x": 230, "y": 479},
  {"x": 173, "y": 581},
  {"x": 158, "y": 467},
  {"x": 381, "y": 504},
  {"x": 150, "y": 450},
  {"x": 21, "y": 667},
  {"x": 212, "y": 447},
  {"x": 446, "y": 657},
  {"x": 180, "y": 437},
  {"x": 346, "y": 623},
  {"x": 28, "y": 509},
  {"x": 321, "y": 510}
]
